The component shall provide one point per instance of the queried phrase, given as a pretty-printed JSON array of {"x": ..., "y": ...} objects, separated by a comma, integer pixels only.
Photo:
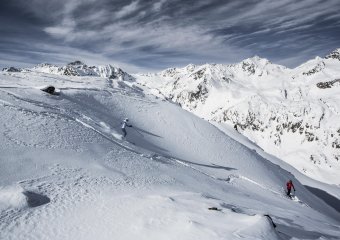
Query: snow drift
[{"x": 158, "y": 182}]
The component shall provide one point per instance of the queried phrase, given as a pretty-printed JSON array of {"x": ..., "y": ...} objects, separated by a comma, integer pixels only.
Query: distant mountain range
[
  {"x": 77, "y": 68},
  {"x": 293, "y": 114}
]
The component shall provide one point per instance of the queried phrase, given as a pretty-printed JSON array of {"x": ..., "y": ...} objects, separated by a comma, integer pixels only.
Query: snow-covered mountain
[
  {"x": 291, "y": 113},
  {"x": 77, "y": 68},
  {"x": 66, "y": 173}
]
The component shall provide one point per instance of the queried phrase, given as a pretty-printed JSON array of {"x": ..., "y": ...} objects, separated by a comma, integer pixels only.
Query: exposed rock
[
  {"x": 76, "y": 63},
  {"x": 49, "y": 89},
  {"x": 324, "y": 85},
  {"x": 316, "y": 69},
  {"x": 35, "y": 199},
  {"x": 335, "y": 54},
  {"x": 248, "y": 67},
  {"x": 11, "y": 69},
  {"x": 70, "y": 72}
]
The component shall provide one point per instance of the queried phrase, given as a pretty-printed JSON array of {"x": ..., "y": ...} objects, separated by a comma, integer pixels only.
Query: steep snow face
[
  {"x": 66, "y": 173},
  {"x": 290, "y": 113}
]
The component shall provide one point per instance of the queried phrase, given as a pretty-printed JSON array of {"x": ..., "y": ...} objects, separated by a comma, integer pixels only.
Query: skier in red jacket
[{"x": 289, "y": 187}]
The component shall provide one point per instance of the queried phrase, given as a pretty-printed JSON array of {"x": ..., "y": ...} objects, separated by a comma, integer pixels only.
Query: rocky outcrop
[
  {"x": 334, "y": 55},
  {"x": 316, "y": 69},
  {"x": 329, "y": 84},
  {"x": 11, "y": 69}
]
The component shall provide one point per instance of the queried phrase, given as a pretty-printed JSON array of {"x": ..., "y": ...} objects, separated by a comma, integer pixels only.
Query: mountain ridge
[
  {"x": 77, "y": 68},
  {"x": 64, "y": 163},
  {"x": 290, "y": 113}
]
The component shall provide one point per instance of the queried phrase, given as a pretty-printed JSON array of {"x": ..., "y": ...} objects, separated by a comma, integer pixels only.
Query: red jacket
[{"x": 290, "y": 185}]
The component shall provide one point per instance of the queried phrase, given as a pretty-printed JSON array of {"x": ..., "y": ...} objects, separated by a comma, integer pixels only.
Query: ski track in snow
[
  {"x": 110, "y": 187},
  {"x": 59, "y": 112},
  {"x": 232, "y": 177}
]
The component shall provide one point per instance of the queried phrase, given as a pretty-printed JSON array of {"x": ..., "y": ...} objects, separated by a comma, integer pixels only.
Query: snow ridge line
[{"x": 66, "y": 116}]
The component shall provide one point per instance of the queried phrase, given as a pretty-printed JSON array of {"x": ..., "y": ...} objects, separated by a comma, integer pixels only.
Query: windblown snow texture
[{"x": 66, "y": 174}]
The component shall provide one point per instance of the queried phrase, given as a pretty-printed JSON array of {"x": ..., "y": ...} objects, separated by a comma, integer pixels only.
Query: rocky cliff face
[{"x": 293, "y": 114}]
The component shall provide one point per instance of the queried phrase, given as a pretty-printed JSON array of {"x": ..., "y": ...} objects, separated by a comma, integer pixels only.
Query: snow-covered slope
[
  {"x": 67, "y": 174},
  {"x": 291, "y": 113}
]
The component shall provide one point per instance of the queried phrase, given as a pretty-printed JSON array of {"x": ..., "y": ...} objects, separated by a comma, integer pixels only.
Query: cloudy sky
[{"x": 140, "y": 35}]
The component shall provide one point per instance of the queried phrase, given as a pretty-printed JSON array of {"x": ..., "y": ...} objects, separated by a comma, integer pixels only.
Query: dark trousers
[
  {"x": 288, "y": 191},
  {"x": 124, "y": 132}
]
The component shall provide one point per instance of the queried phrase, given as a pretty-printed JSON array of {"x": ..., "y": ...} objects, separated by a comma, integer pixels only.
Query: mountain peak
[
  {"x": 335, "y": 54},
  {"x": 257, "y": 60},
  {"x": 254, "y": 64},
  {"x": 76, "y": 63},
  {"x": 191, "y": 67},
  {"x": 41, "y": 65}
]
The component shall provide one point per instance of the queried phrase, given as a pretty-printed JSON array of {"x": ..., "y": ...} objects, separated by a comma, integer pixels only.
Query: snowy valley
[{"x": 66, "y": 172}]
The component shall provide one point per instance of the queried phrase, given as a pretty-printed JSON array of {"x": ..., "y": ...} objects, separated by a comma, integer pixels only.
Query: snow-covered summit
[
  {"x": 285, "y": 111},
  {"x": 319, "y": 69},
  {"x": 76, "y": 63},
  {"x": 259, "y": 67},
  {"x": 255, "y": 61}
]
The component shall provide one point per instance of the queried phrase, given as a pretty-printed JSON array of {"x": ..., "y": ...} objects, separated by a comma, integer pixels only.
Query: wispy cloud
[
  {"x": 162, "y": 33},
  {"x": 127, "y": 10}
]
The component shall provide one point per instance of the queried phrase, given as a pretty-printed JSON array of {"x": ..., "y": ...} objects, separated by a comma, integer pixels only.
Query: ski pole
[{"x": 138, "y": 132}]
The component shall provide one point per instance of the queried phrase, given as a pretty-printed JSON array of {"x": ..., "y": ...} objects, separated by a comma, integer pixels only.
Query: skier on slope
[
  {"x": 124, "y": 125},
  {"x": 289, "y": 187}
]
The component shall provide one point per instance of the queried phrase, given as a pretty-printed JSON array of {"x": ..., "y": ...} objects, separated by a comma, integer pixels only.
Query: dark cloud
[{"x": 156, "y": 34}]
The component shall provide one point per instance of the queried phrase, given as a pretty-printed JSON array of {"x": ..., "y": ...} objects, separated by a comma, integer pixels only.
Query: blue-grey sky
[{"x": 155, "y": 34}]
